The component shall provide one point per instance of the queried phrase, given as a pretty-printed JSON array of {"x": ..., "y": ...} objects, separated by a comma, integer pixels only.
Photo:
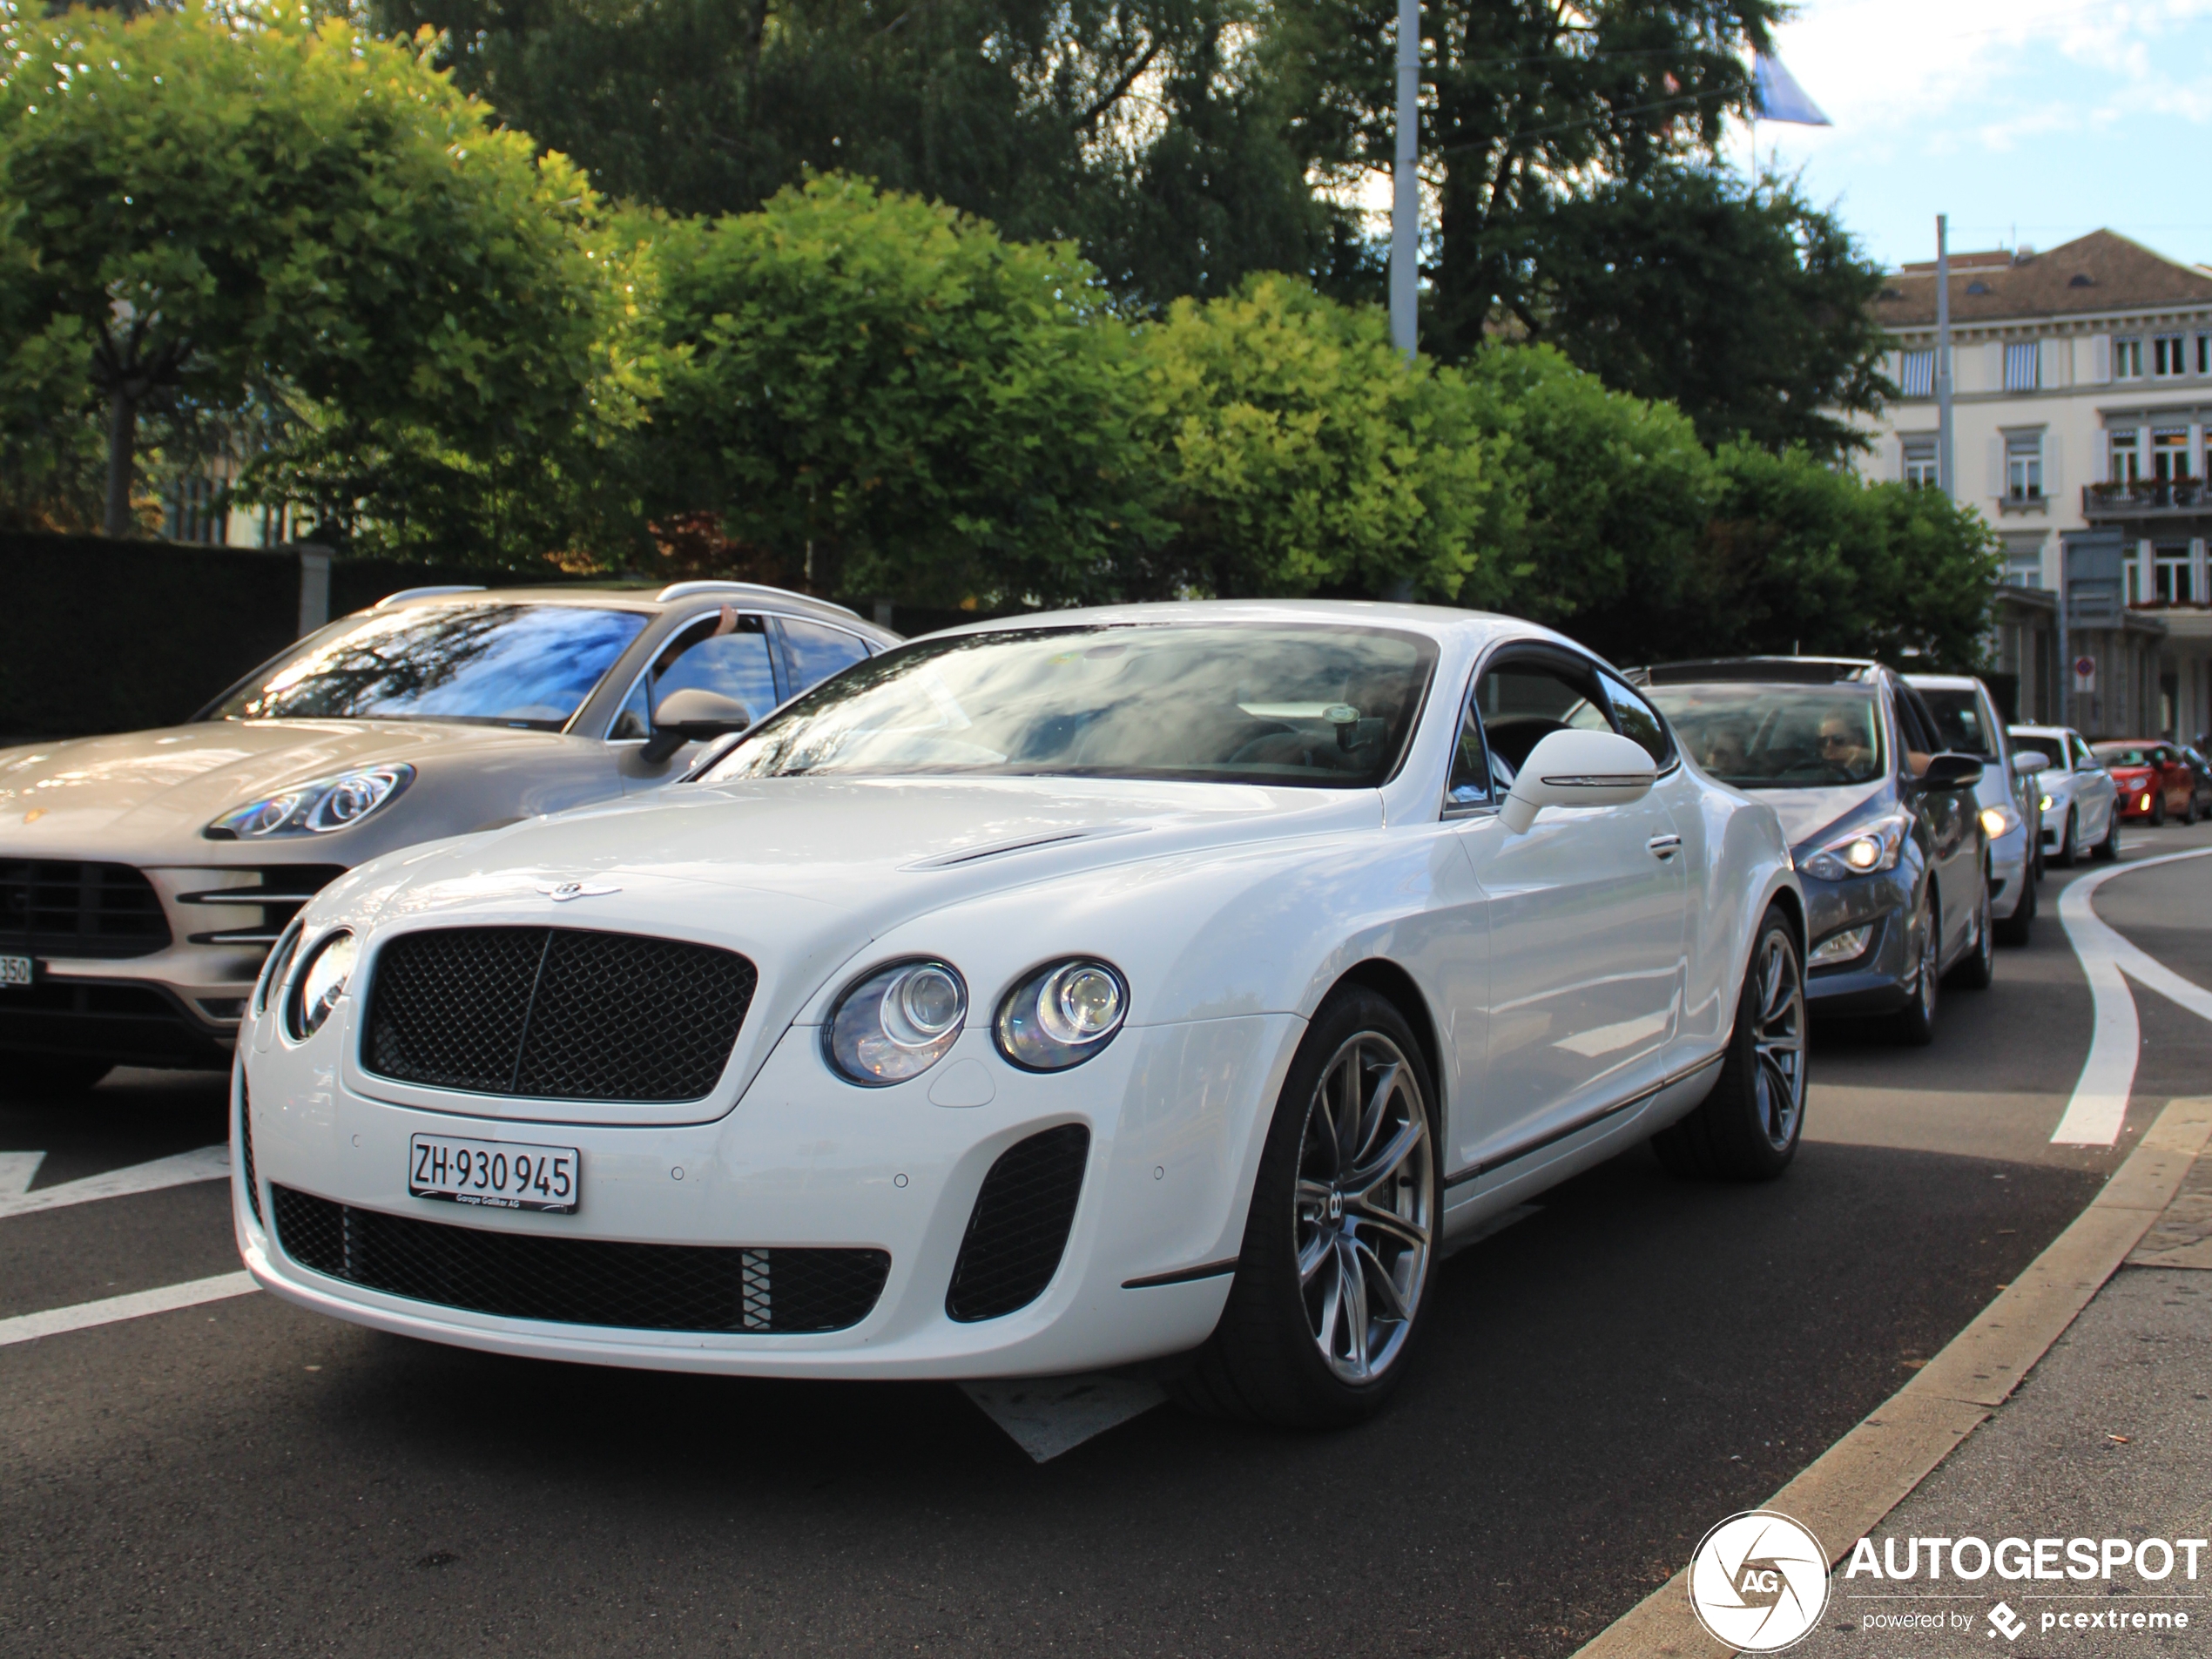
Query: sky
[{"x": 2028, "y": 121}]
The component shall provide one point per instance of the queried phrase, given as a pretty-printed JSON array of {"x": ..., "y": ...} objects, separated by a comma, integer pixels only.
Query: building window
[
  {"x": 2204, "y": 354},
  {"x": 1921, "y": 463},
  {"x": 2169, "y": 452},
  {"x": 2128, "y": 360},
  {"x": 2024, "y": 465},
  {"x": 1916, "y": 374},
  {"x": 2168, "y": 354},
  {"x": 2024, "y": 571},
  {"x": 2023, "y": 361},
  {"x": 2170, "y": 577},
  {"x": 2127, "y": 459}
]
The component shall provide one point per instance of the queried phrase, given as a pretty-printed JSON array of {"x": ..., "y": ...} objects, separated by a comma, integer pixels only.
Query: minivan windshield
[
  {"x": 1317, "y": 706},
  {"x": 502, "y": 662},
  {"x": 1778, "y": 736}
]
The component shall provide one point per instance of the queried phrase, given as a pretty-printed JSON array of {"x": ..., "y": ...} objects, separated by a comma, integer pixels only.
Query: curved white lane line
[
  {"x": 208, "y": 1163},
  {"x": 2100, "y": 1103}
]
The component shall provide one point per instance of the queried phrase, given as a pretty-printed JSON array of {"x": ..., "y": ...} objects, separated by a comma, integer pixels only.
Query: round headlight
[
  {"x": 273, "y": 971},
  {"x": 322, "y": 982},
  {"x": 895, "y": 1023},
  {"x": 1062, "y": 1015}
]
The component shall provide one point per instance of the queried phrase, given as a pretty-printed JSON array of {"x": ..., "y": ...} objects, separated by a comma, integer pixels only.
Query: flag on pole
[{"x": 1776, "y": 95}]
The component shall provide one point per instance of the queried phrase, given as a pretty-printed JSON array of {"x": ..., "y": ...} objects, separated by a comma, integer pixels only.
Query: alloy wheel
[
  {"x": 1778, "y": 1039},
  {"x": 1366, "y": 1189}
]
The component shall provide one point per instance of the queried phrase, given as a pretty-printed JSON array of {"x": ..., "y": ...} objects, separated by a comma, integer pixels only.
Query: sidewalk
[{"x": 2109, "y": 1437}]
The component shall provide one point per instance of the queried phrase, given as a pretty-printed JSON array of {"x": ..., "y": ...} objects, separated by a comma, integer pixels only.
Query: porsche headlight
[
  {"x": 1865, "y": 851},
  {"x": 1998, "y": 821},
  {"x": 322, "y": 982},
  {"x": 316, "y": 808},
  {"x": 895, "y": 1023},
  {"x": 1062, "y": 1015}
]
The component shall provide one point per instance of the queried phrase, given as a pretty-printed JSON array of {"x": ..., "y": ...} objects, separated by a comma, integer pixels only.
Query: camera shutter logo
[{"x": 1759, "y": 1581}]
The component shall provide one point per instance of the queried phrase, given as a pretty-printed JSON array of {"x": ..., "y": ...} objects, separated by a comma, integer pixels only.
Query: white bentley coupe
[{"x": 1163, "y": 982}]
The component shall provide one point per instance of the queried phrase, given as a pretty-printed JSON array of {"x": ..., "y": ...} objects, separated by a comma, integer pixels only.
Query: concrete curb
[{"x": 1864, "y": 1475}]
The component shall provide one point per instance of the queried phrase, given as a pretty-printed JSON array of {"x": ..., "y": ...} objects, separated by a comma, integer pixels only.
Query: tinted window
[
  {"x": 2126, "y": 754},
  {"x": 1470, "y": 785},
  {"x": 1525, "y": 701},
  {"x": 732, "y": 664},
  {"x": 1778, "y": 736},
  {"x": 1958, "y": 724},
  {"x": 813, "y": 652},
  {"x": 1637, "y": 720},
  {"x": 1916, "y": 726},
  {"x": 1324, "y": 707},
  {"x": 508, "y": 664}
]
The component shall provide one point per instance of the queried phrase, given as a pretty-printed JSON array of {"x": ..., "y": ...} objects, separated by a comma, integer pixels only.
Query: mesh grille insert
[
  {"x": 555, "y": 1012},
  {"x": 1019, "y": 1227},
  {"x": 53, "y": 908},
  {"x": 582, "y": 1281}
]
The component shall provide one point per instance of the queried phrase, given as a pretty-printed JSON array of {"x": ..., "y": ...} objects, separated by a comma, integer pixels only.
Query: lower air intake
[
  {"x": 1019, "y": 1228},
  {"x": 582, "y": 1281},
  {"x": 245, "y": 1152}
]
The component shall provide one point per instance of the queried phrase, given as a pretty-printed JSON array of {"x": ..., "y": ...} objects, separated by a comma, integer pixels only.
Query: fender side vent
[{"x": 1019, "y": 1228}]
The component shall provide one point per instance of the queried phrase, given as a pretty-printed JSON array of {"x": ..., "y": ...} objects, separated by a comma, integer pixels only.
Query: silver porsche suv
[{"x": 143, "y": 877}]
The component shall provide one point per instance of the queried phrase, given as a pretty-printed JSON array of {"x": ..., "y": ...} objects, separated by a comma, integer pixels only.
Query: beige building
[{"x": 2081, "y": 417}]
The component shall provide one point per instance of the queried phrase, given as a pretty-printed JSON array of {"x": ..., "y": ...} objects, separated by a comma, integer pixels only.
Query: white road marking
[
  {"x": 29, "y": 1327},
  {"x": 1049, "y": 1415},
  {"x": 16, "y": 1172},
  {"x": 2099, "y": 1107},
  {"x": 208, "y": 1163}
]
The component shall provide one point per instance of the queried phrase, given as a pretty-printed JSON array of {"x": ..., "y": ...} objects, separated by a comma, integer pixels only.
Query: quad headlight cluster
[
  {"x": 316, "y": 808},
  {"x": 897, "y": 1021}
]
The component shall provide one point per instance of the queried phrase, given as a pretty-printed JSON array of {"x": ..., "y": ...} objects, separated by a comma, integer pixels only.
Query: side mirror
[
  {"x": 1951, "y": 771},
  {"x": 1577, "y": 769},
  {"x": 2028, "y": 762},
  {"x": 689, "y": 716}
]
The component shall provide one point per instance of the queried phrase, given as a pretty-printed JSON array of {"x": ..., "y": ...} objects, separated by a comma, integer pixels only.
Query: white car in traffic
[{"x": 1051, "y": 995}]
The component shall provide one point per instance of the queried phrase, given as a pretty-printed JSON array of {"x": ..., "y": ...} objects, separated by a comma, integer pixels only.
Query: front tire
[
  {"x": 2158, "y": 810},
  {"x": 1340, "y": 1242},
  {"x": 2108, "y": 849},
  {"x": 49, "y": 1076},
  {"x": 1977, "y": 970},
  {"x": 1916, "y": 1022},
  {"x": 1748, "y": 1128},
  {"x": 2069, "y": 848},
  {"x": 2015, "y": 929}
]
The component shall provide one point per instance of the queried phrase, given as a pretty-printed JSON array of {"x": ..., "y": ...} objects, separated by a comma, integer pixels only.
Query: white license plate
[
  {"x": 15, "y": 970},
  {"x": 504, "y": 1175}
]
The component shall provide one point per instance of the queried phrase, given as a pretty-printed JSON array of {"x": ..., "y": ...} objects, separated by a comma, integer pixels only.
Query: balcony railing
[{"x": 2148, "y": 498}]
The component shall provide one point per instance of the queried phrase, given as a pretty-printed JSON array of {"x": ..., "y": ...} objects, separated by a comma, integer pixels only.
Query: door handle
[{"x": 1663, "y": 847}]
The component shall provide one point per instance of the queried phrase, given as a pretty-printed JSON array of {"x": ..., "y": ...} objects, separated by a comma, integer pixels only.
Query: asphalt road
[{"x": 1605, "y": 1380}]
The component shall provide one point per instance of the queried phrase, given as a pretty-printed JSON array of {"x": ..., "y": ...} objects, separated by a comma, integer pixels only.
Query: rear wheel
[
  {"x": 48, "y": 1076},
  {"x": 1747, "y": 1129},
  {"x": 1339, "y": 1245},
  {"x": 2015, "y": 929},
  {"x": 1915, "y": 1022},
  {"x": 1978, "y": 968}
]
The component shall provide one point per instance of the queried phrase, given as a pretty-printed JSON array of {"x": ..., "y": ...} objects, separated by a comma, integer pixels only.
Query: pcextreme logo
[{"x": 1759, "y": 1581}]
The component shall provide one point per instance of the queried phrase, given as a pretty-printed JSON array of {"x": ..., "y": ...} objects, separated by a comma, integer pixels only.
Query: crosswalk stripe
[
  {"x": 207, "y": 1163},
  {"x": 29, "y": 1327}
]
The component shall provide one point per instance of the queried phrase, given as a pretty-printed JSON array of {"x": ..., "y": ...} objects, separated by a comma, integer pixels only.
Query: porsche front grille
[
  {"x": 582, "y": 1281},
  {"x": 555, "y": 1012}
]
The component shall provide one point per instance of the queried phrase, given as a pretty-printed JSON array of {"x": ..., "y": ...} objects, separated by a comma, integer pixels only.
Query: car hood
[
  {"x": 125, "y": 793},
  {"x": 1806, "y": 813}
]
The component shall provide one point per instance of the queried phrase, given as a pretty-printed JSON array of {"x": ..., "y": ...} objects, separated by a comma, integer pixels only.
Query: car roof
[
  {"x": 651, "y": 599},
  {"x": 2134, "y": 743},
  {"x": 1436, "y": 621},
  {"x": 1776, "y": 671},
  {"x": 1942, "y": 682}
]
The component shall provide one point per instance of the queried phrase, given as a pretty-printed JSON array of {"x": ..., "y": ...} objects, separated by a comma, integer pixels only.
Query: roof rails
[
  {"x": 426, "y": 593},
  {"x": 686, "y": 590}
]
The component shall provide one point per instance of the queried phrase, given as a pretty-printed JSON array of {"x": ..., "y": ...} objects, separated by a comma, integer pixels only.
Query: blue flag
[{"x": 1776, "y": 95}]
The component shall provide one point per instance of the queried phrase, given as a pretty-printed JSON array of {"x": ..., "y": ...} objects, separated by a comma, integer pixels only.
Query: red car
[{"x": 2153, "y": 777}]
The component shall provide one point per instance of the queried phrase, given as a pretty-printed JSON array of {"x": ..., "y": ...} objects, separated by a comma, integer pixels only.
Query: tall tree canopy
[{"x": 297, "y": 227}]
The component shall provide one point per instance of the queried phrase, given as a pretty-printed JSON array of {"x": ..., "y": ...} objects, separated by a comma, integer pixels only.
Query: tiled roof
[{"x": 2099, "y": 272}]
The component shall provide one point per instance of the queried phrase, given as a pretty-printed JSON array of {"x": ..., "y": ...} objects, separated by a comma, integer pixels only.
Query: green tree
[
  {"x": 875, "y": 394},
  {"x": 1302, "y": 454},
  {"x": 297, "y": 225}
]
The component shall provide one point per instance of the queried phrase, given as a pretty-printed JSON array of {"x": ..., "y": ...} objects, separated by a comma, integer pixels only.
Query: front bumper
[
  {"x": 1877, "y": 981},
  {"x": 806, "y": 1162}
]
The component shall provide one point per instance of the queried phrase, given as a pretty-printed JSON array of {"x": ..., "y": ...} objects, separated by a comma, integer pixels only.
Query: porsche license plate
[
  {"x": 502, "y": 1175},
  {"x": 15, "y": 970}
]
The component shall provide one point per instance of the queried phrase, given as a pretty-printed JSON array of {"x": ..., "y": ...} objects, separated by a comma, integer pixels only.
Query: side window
[
  {"x": 725, "y": 653},
  {"x": 1523, "y": 703},
  {"x": 813, "y": 652},
  {"x": 635, "y": 723},
  {"x": 1638, "y": 721},
  {"x": 1917, "y": 731},
  {"x": 1470, "y": 785},
  {"x": 2082, "y": 758}
]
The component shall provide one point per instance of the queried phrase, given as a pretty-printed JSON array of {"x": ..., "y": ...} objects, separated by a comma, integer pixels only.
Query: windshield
[
  {"x": 2126, "y": 754},
  {"x": 1317, "y": 706},
  {"x": 1958, "y": 723},
  {"x": 1778, "y": 736},
  {"x": 502, "y": 663}
]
